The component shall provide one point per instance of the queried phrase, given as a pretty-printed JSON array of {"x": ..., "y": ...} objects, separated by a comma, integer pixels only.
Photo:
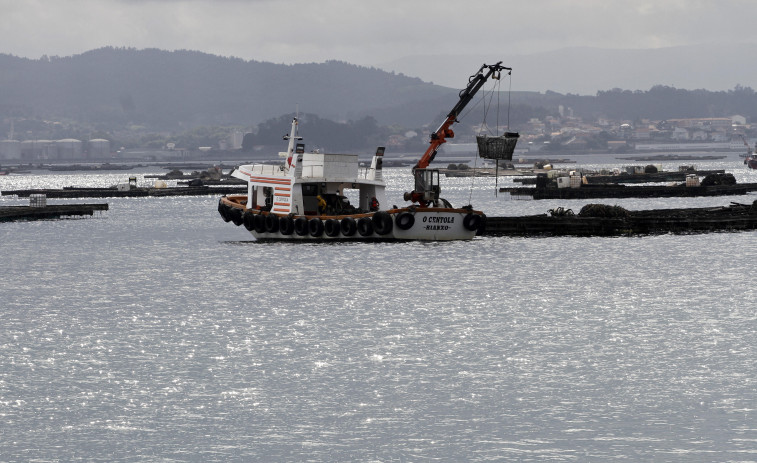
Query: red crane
[{"x": 426, "y": 188}]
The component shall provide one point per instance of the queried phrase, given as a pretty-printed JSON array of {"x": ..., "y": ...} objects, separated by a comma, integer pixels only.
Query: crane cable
[{"x": 495, "y": 88}]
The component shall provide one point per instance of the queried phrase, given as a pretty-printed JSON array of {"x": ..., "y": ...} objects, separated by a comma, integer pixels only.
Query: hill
[
  {"x": 124, "y": 91},
  {"x": 167, "y": 90}
]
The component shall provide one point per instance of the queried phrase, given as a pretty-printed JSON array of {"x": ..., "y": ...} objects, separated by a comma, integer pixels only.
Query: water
[{"x": 157, "y": 332}]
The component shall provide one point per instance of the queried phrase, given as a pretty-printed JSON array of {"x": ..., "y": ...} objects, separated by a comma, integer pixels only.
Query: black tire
[
  {"x": 271, "y": 223},
  {"x": 223, "y": 209},
  {"x": 348, "y": 226},
  {"x": 315, "y": 226},
  {"x": 236, "y": 216},
  {"x": 382, "y": 223},
  {"x": 259, "y": 223},
  {"x": 482, "y": 227},
  {"x": 301, "y": 226},
  {"x": 404, "y": 220},
  {"x": 331, "y": 228},
  {"x": 365, "y": 226},
  {"x": 249, "y": 220},
  {"x": 286, "y": 225},
  {"x": 472, "y": 221}
]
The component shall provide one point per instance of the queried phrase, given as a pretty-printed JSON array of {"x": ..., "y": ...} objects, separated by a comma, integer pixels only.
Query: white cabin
[{"x": 294, "y": 186}]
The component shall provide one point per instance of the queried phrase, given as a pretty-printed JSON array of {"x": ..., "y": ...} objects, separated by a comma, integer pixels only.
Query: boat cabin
[{"x": 315, "y": 184}]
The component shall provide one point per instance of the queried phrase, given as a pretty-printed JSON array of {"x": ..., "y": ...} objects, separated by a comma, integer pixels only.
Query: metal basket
[{"x": 501, "y": 147}]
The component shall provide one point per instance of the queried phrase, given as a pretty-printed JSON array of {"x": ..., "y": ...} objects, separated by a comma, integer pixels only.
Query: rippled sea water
[{"x": 157, "y": 332}]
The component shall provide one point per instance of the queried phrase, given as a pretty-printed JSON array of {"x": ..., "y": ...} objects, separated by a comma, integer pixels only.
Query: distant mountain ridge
[
  {"x": 120, "y": 89},
  {"x": 170, "y": 89}
]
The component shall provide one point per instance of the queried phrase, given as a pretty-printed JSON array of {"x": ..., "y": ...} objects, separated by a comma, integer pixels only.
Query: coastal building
[
  {"x": 98, "y": 148},
  {"x": 10, "y": 149},
  {"x": 70, "y": 148}
]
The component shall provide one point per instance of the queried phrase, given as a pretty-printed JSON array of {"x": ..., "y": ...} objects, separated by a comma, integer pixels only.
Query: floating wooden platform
[
  {"x": 12, "y": 213},
  {"x": 72, "y": 192},
  {"x": 655, "y": 177},
  {"x": 623, "y": 191},
  {"x": 618, "y": 221}
]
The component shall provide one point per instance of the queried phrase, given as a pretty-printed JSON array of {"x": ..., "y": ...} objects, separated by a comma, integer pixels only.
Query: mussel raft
[{"x": 604, "y": 220}]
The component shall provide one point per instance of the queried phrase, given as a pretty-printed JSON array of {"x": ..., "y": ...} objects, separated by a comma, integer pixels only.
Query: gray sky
[{"x": 369, "y": 33}]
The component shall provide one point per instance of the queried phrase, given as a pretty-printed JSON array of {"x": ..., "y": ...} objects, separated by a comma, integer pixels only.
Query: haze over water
[{"x": 157, "y": 332}]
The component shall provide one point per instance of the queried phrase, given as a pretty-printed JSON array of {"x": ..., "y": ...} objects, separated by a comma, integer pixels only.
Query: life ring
[
  {"x": 472, "y": 221},
  {"x": 301, "y": 226},
  {"x": 382, "y": 222},
  {"x": 315, "y": 226},
  {"x": 348, "y": 226},
  {"x": 331, "y": 228},
  {"x": 248, "y": 218},
  {"x": 271, "y": 223},
  {"x": 286, "y": 225},
  {"x": 365, "y": 226},
  {"x": 236, "y": 216},
  {"x": 404, "y": 220},
  {"x": 259, "y": 223},
  {"x": 223, "y": 209}
]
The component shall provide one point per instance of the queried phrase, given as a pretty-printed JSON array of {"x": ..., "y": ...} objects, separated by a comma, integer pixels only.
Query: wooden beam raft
[{"x": 76, "y": 192}]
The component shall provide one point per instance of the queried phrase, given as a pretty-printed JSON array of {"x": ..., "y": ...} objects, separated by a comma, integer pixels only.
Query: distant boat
[{"x": 749, "y": 156}]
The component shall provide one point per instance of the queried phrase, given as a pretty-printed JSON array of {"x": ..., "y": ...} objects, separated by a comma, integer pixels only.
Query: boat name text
[{"x": 434, "y": 219}]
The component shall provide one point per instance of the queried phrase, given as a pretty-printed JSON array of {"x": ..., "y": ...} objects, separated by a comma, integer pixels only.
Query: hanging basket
[{"x": 501, "y": 147}]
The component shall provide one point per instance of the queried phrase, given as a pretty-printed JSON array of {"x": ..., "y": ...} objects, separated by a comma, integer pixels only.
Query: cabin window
[{"x": 309, "y": 190}]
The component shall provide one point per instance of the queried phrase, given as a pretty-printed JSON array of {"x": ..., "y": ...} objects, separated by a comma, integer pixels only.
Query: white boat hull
[{"x": 406, "y": 224}]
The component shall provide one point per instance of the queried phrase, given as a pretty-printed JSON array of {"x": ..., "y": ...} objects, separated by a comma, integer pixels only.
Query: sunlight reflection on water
[{"x": 159, "y": 332}]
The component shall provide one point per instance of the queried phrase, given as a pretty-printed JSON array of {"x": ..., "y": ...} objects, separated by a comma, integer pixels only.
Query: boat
[
  {"x": 750, "y": 157},
  {"x": 320, "y": 196}
]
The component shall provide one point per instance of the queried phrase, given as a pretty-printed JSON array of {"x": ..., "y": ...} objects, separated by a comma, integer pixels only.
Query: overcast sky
[{"x": 368, "y": 33}]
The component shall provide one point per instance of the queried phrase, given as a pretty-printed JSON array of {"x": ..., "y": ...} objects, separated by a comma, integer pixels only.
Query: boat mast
[{"x": 292, "y": 136}]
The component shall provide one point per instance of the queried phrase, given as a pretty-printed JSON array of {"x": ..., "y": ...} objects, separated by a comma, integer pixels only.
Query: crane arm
[{"x": 444, "y": 131}]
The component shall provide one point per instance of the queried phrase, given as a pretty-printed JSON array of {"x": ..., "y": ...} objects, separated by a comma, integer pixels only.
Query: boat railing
[
  {"x": 267, "y": 169},
  {"x": 364, "y": 171}
]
